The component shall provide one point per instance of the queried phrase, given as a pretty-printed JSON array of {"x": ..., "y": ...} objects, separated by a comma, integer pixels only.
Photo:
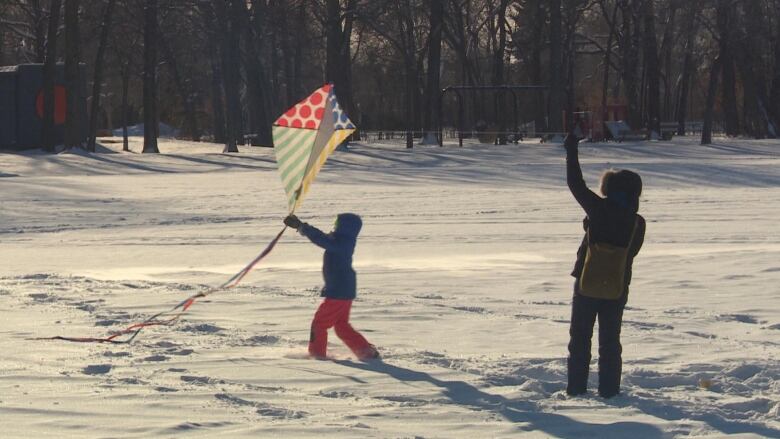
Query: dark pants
[{"x": 583, "y": 315}]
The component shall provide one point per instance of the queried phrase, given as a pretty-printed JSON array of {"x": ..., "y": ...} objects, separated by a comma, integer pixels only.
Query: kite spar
[{"x": 304, "y": 137}]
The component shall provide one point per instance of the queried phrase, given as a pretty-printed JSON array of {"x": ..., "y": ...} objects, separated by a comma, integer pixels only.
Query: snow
[{"x": 463, "y": 279}]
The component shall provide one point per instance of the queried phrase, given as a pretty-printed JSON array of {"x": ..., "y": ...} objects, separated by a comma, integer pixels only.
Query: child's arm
[
  {"x": 586, "y": 197},
  {"x": 320, "y": 238},
  {"x": 315, "y": 235}
]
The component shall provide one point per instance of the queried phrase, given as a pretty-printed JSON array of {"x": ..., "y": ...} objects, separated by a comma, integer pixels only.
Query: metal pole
[
  {"x": 460, "y": 118},
  {"x": 441, "y": 117},
  {"x": 514, "y": 105}
]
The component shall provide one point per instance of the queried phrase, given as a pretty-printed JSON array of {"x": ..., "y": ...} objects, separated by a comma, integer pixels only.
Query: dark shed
[{"x": 21, "y": 105}]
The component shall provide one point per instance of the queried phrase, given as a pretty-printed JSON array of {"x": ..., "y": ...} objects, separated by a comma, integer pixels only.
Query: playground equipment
[{"x": 499, "y": 91}]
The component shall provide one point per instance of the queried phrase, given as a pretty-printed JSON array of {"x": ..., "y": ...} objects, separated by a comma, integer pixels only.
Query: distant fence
[
  {"x": 527, "y": 130},
  {"x": 524, "y": 131}
]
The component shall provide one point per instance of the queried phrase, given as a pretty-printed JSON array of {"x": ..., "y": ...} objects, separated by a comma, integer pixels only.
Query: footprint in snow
[
  {"x": 97, "y": 369},
  {"x": 472, "y": 309},
  {"x": 162, "y": 389},
  {"x": 701, "y": 334},
  {"x": 262, "y": 408},
  {"x": 42, "y": 297},
  {"x": 263, "y": 340},
  {"x": 179, "y": 352},
  {"x": 116, "y": 354},
  {"x": 428, "y": 296},
  {"x": 742, "y": 318},
  {"x": 200, "y": 380},
  {"x": 337, "y": 394},
  {"x": 203, "y": 328}
]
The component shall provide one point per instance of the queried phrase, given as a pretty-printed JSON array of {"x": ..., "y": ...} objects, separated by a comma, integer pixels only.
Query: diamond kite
[{"x": 304, "y": 137}]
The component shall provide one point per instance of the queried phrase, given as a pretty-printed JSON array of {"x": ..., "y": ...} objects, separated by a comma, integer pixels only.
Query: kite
[{"x": 304, "y": 137}]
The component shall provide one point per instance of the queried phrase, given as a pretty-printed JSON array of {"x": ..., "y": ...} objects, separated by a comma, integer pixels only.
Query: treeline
[{"x": 224, "y": 69}]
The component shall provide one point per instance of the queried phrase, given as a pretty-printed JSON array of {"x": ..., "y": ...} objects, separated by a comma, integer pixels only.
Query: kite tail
[{"x": 168, "y": 318}]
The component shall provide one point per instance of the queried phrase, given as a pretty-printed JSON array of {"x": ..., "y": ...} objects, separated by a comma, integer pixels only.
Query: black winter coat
[{"x": 607, "y": 220}]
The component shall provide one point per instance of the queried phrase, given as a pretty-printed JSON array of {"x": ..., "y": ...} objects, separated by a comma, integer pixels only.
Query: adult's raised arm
[{"x": 584, "y": 196}]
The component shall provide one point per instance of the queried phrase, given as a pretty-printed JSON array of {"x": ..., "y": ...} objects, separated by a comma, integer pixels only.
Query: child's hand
[{"x": 292, "y": 221}]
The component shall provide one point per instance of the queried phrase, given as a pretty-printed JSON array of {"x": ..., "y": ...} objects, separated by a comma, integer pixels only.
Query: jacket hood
[{"x": 348, "y": 224}]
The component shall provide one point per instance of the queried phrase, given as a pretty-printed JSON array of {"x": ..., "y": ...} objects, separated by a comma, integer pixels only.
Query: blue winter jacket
[{"x": 339, "y": 245}]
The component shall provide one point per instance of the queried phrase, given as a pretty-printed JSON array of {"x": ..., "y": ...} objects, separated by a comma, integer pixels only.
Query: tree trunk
[
  {"x": 666, "y": 53},
  {"x": 431, "y": 117},
  {"x": 39, "y": 27},
  {"x": 687, "y": 72},
  {"x": 498, "y": 69},
  {"x": 295, "y": 86},
  {"x": 725, "y": 23},
  {"x": 536, "y": 64},
  {"x": 289, "y": 55},
  {"x": 652, "y": 68},
  {"x": 338, "y": 69},
  {"x": 556, "y": 68},
  {"x": 411, "y": 90},
  {"x": 125, "y": 109},
  {"x": 215, "y": 60},
  {"x": 608, "y": 61},
  {"x": 2, "y": 45},
  {"x": 49, "y": 74},
  {"x": 73, "y": 129},
  {"x": 750, "y": 61},
  {"x": 630, "y": 49},
  {"x": 97, "y": 77},
  {"x": 712, "y": 90},
  {"x": 191, "y": 129},
  {"x": 231, "y": 65},
  {"x": 774, "y": 95},
  {"x": 259, "y": 87},
  {"x": 150, "y": 77}
]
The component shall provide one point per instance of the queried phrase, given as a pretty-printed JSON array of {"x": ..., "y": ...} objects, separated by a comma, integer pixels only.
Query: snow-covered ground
[{"x": 463, "y": 279}]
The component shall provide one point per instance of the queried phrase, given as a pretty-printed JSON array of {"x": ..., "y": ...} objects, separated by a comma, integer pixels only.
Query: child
[
  {"x": 612, "y": 222},
  {"x": 340, "y": 285}
]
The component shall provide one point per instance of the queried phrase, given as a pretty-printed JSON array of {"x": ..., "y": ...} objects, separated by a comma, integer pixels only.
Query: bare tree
[
  {"x": 260, "y": 90},
  {"x": 49, "y": 73},
  {"x": 151, "y": 122},
  {"x": 774, "y": 96},
  {"x": 338, "y": 30},
  {"x": 725, "y": 12},
  {"x": 73, "y": 122},
  {"x": 712, "y": 90},
  {"x": 431, "y": 116},
  {"x": 652, "y": 68},
  {"x": 97, "y": 76},
  {"x": 499, "y": 35},
  {"x": 229, "y": 19},
  {"x": 690, "y": 27},
  {"x": 557, "y": 85},
  {"x": 396, "y": 22}
]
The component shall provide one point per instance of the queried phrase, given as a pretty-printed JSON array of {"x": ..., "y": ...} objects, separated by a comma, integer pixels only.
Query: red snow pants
[{"x": 334, "y": 313}]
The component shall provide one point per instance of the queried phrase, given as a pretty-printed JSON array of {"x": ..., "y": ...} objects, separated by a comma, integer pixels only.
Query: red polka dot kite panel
[{"x": 307, "y": 113}]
